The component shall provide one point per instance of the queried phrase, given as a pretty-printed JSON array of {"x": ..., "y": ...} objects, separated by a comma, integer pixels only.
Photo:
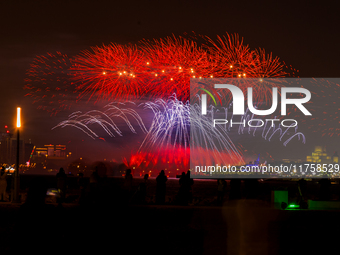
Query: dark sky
[{"x": 304, "y": 34}]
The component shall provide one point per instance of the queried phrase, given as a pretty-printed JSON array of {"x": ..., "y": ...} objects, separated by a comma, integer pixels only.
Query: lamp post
[{"x": 16, "y": 172}]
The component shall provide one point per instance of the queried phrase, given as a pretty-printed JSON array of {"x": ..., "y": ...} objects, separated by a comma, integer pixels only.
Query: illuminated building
[
  {"x": 320, "y": 156},
  {"x": 48, "y": 158},
  {"x": 335, "y": 157},
  {"x": 51, "y": 151}
]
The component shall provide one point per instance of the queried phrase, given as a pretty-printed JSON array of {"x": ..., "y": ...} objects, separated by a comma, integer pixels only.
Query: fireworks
[
  {"x": 236, "y": 60},
  {"x": 48, "y": 82},
  {"x": 154, "y": 68},
  {"x": 168, "y": 138},
  {"x": 173, "y": 61},
  {"x": 110, "y": 72},
  {"x": 105, "y": 120}
]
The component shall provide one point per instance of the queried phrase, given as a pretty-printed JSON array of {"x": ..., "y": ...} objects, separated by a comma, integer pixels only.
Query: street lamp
[{"x": 16, "y": 172}]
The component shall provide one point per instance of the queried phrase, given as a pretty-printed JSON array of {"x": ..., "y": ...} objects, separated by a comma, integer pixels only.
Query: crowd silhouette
[{"x": 98, "y": 190}]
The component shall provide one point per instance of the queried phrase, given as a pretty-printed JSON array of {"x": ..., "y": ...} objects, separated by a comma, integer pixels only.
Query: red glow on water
[{"x": 177, "y": 160}]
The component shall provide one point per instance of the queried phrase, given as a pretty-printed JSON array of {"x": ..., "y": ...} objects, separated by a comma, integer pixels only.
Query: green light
[{"x": 293, "y": 206}]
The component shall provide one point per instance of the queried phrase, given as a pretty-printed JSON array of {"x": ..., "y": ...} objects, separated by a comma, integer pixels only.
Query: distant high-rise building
[
  {"x": 335, "y": 157},
  {"x": 320, "y": 156},
  {"x": 51, "y": 151}
]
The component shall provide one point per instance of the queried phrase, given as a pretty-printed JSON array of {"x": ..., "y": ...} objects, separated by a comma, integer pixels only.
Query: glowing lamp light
[
  {"x": 18, "y": 117},
  {"x": 293, "y": 206}
]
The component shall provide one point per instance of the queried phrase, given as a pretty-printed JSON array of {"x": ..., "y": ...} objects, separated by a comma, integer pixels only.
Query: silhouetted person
[
  {"x": 101, "y": 170},
  {"x": 103, "y": 186},
  {"x": 185, "y": 191},
  {"x": 182, "y": 193},
  {"x": 251, "y": 188},
  {"x": 92, "y": 189},
  {"x": 98, "y": 192},
  {"x": 189, "y": 183},
  {"x": 235, "y": 189},
  {"x": 94, "y": 177},
  {"x": 221, "y": 188},
  {"x": 61, "y": 184},
  {"x": 128, "y": 182},
  {"x": 181, "y": 179},
  {"x": 3, "y": 184},
  {"x": 325, "y": 188},
  {"x": 141, "y": 190},
  {"x": 81, "y": 186},
  {"x": 302, "y": 184},
  {"x": 161, "y": 187}
]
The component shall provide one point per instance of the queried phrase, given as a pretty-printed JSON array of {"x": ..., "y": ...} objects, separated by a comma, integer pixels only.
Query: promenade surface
[{"x": 241, "y": 226}]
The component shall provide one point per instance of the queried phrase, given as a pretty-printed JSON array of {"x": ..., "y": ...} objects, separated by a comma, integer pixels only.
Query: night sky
[{"x": 305, "y": 35}]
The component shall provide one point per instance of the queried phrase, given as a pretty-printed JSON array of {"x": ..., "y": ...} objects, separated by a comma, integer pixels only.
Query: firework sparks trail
[
  {"x": 205, "y": 138},
  {"x": 173, "y": 123},
  {"x": 105, "y": 120}
]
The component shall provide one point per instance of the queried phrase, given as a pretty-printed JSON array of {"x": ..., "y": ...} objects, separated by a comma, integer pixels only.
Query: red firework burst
[
  {"x": 172, "y": 62},
  {"x": 234, "y": 59},
  {"x": 48, "y": 82},
  {"x": 113, "y": 71},
  {"x": 156, "y": 68}
]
